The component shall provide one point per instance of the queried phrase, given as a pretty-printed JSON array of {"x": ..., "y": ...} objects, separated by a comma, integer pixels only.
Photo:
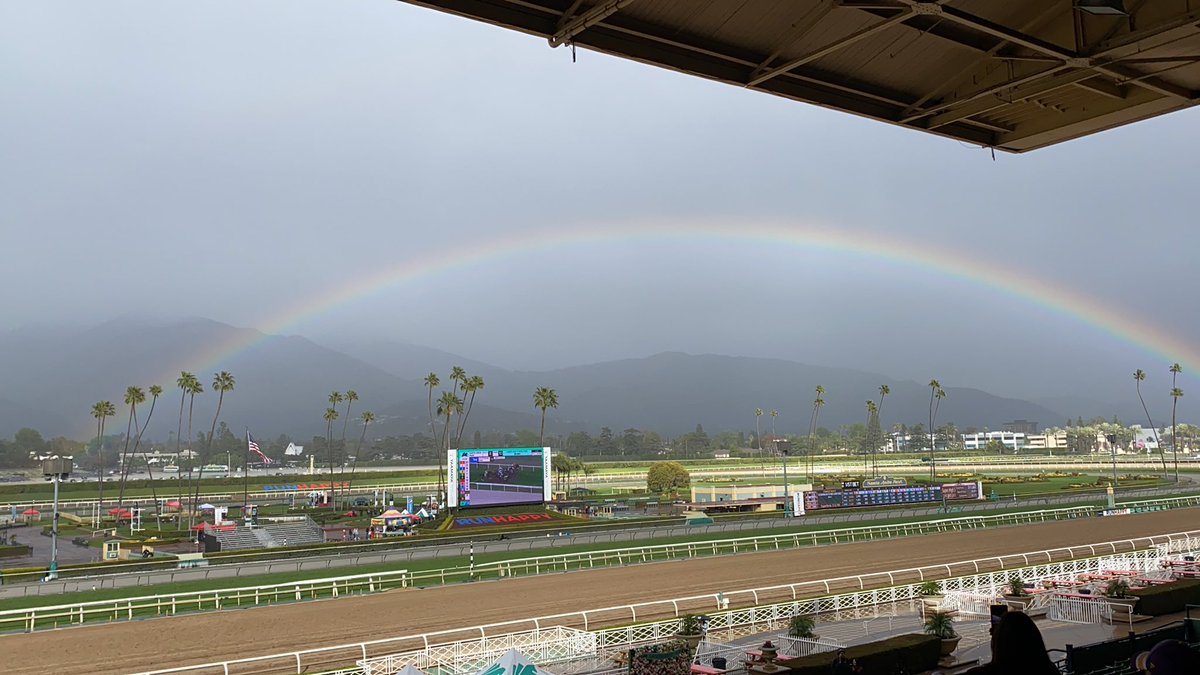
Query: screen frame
[{"x": 452, "y": 495}]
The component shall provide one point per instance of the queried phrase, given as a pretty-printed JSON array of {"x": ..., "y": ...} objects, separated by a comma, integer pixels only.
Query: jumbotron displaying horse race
[{"x": 498, "y": 476}]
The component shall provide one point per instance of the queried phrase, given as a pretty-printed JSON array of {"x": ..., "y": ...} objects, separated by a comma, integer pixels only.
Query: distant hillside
[{"x": 51, "y": 378}]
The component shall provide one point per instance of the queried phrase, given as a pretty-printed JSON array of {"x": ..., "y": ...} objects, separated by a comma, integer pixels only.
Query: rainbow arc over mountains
[{"x": 989, "y": 276}]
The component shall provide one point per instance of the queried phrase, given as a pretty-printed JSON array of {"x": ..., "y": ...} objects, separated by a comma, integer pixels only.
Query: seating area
[{"x": 275, "y": 535}]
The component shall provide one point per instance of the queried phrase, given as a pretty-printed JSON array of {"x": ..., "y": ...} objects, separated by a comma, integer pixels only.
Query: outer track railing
[{"x": 127, "y": 609}]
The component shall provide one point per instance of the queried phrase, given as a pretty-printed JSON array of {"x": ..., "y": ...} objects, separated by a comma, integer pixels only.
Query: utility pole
[
  {"x": 787, "y": 501},
  {"x": 55, "y": 468}
]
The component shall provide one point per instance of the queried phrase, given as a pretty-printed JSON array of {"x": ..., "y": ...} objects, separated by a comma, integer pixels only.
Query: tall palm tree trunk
[{"x": 1161, "y": 454}]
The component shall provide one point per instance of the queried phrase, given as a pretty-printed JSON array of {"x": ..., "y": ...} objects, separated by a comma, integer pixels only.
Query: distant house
[{"x": 293, "y": 450}]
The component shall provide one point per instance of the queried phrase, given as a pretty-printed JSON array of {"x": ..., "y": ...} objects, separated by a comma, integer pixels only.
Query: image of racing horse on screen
[{"x": 498, "y": 477}]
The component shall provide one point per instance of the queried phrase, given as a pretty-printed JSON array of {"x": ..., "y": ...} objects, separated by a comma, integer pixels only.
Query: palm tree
[
  {"x": 331, "y": 415},
  {"x": 133, "y": 396},
  {"x": 774, "y": 438},
  {"x": 543, "y": 398},
  {"x": 351, "y": 397},
  {"x": 155, "y": 392},
  {"x": 936, "y": 394},
  {"x": 183, "y": 382},
  {"x": 884, "y": 390},
  {"x": 812, "y": 427},
  {"x": 458, "y": 376},
  {"x": 366, "y": 417},
  {"x": 432, "y": 381},
  {"x": 1139, "y": 376},
  {"x": 470, "y": 386},
  {"x": 222, "y": 382},
  {"x": 101, "y": 411},
  {"x": 448, "y": 405},
  {"x": 758, "y": 413},
  {"x": 195, "y": 386},
  {"x": 868, "y": 457},
  {"x": 1176, "y": 394}
]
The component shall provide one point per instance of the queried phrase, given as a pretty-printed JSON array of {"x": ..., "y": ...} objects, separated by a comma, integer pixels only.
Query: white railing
[
  {"x": 977, "y": 604},
  {"x": 792, "y": 646},
  {"x": 756, "y": 609},
  {"x": 544, "y": 646},
  {"x": 34, "y": 618},
  {"x": 1080, "y": 610}
]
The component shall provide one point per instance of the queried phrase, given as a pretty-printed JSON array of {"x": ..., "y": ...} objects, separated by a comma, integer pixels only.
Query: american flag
[{"x": 255, "y": 450}]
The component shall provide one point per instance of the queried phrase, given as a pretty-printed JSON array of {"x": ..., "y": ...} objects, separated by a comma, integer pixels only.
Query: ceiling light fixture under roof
[{"x": 1102, "y": 7}]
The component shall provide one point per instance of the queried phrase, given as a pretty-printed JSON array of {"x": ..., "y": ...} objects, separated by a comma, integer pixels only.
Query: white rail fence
[
  {"x": 55, "y": 616},
  {"x": 754, "y": 610}
]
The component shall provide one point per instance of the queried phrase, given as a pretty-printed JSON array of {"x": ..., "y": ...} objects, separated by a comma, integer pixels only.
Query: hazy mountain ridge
[{"x": 283, "y": 382}]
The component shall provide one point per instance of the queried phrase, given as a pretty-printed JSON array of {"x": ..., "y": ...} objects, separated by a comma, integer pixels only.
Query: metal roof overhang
[{"x": 1010, "y": 74}]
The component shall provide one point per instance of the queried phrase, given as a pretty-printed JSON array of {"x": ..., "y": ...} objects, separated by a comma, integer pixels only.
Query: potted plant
[
  {"x": 941, "y": 625},
  {"x": 1116, "y": 592},
  {"x": 801, "y": 626},
  {"x": 1016, "y": 592},
  {"x": 930, "y": 592},
  {"x": 691, "y": 630}
]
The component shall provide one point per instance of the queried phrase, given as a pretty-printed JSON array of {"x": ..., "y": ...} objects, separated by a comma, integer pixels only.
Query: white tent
[
  {"x": 513, "y": 663},
  {"x": 410, "y": 670}
]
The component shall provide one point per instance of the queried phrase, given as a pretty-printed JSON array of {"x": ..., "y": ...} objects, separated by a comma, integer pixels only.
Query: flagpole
[{"x": 246, "y": 477}]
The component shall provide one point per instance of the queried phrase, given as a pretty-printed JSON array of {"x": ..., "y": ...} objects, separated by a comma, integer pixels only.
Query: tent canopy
[
  {"x": 513, "y": 662},
  {"x": 31, "y": 512},
  {"x": 410, "y": 670}
]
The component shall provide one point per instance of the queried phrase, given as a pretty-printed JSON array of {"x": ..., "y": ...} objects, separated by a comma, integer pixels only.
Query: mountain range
[{"x": 49, "y": 379}]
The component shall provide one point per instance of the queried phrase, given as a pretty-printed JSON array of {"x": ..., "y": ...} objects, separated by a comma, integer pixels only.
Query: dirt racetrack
[{"x": 202, "y": 638}]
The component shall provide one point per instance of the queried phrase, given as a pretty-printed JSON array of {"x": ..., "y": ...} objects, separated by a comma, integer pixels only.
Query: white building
[
  {"x": 293, "y": 450},
  {"x": 1011, "y": 440}
]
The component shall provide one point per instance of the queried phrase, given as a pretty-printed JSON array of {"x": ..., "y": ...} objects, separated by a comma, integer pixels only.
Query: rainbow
[{"x": 928, "y": 257}]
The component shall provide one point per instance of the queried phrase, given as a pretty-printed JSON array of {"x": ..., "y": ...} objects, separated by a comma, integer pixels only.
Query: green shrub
[
  {"x": 915, "y": 653},
  {"x": 1168, "y": 598},
  {"x": 940, "y": 625},
  {"x": 928, "y": 588},
  {"x": 1117, "y": 588},
  {"x": 1016, "y": 586},
  {"x": 801, "y": 626},
  {"x": 689, "y": 625}
]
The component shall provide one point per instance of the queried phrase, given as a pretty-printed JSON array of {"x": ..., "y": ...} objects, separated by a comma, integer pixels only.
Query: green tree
[
  {"x": 758, "y": 413},
  {"x": 818, "y": 402},
  {"x": 133, "y": 396},
  {"x": 470, "y": 386},
  {"x": 155, "y": 392},
  {"x": 448, "y": 405},
  {"x": 367, "y": 417},
  {"x": 543, "y": 398},
  {"x": 222, "y": 383},
  {"x": 431, "y": 382},
  {"x": 1140, "y": 376},
  {"x": 994, "y": 446},
  {"x": 872, "y": 442},
  {"x": 936, "y": 394},
  {"x": 884, "y": 390},
  {"x": 101, "y": 410},
  {"x": 1176, "y": 394},
  {"x": 667, "y": 477},
  {"x": 182, "y": 382}
]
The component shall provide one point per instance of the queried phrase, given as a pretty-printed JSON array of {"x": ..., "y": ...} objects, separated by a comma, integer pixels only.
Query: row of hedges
[
  {"x": 915, "y": 652},
  {"x": 1168, "y": 598},
  {"x": 15, "y": 551}
]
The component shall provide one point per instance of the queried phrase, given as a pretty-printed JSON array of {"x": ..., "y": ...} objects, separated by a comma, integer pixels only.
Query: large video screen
[{"x": 499, "y": 476}]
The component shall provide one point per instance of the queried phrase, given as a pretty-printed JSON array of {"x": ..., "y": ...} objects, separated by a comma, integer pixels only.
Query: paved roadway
[
  {"x": 163, "y": 643},
  {"x": 518, "y": 545}
]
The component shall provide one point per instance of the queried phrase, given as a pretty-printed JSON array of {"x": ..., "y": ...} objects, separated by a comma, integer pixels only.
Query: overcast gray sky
[{"x": 236, "y": 159}]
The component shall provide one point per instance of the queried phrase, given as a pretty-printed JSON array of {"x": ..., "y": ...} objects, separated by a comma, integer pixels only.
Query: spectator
[
  {"x": 1017, "y": 649},
  {"x": 841, "y": 664},
  {"x": 1169, "y": 657}
]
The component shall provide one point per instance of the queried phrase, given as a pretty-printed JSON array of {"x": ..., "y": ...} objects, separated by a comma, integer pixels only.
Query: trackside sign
[{"x": 489, "y": 521}]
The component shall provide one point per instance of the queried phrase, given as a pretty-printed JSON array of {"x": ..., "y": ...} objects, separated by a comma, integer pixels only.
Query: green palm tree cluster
[
  {"x": 367, "y": 418},
  {"x": 449, "y": 404},
  {"x": 222, "y": 383}
]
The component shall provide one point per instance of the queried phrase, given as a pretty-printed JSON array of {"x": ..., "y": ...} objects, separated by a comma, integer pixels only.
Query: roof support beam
[
  {"x": 829, "y": 48},
  {"x": 578, "y": 24},
  {"x": 802, "y": 27},
  {"x": 1041, "y": 84}
]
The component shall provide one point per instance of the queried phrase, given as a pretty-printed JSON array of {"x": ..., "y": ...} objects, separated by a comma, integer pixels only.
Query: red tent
[
  {"x": 173, "y": 504},
  {"x": 31, "y": 512},
  {"x": 115, "y": 511},
  {"x": 198, "y": 527}
]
